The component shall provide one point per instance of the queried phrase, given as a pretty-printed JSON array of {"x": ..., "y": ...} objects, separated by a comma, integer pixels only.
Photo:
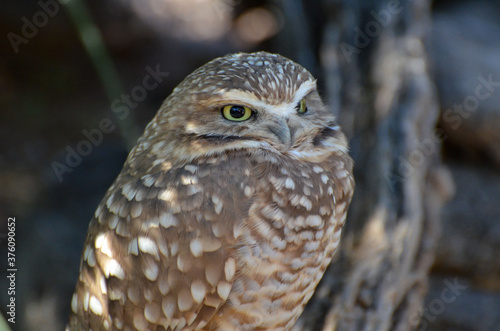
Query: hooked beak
[{"x": 281, "y": 130}]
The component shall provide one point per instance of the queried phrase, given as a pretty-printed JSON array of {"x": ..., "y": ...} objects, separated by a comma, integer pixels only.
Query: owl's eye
[
  {"x": 301, "y": 107},
  {"x": 236, "y": 113}
]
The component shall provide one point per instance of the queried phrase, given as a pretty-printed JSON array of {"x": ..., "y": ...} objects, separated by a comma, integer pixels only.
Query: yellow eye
[
  {"x": 301, "y": 107},
  {"x": 236, "y": 113}
]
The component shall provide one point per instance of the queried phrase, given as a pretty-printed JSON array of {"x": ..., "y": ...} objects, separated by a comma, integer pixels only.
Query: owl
[{"x": 227, "y": 211}]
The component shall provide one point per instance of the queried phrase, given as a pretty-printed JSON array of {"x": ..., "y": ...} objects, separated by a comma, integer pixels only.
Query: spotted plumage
[{"x": 216, "y": 223}]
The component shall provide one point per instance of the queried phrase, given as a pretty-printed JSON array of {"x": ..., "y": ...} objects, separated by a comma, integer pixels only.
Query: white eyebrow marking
[{"x": 305, "y": 88}]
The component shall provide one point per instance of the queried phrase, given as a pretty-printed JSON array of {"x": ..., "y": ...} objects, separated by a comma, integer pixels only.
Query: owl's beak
[{"x": 281, "y": 130}]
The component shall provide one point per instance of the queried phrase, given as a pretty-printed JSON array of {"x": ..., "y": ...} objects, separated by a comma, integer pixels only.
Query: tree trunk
[{"x": 377, "y": 75}]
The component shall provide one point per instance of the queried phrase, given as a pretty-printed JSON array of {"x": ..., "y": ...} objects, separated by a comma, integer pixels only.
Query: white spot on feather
[
  {"x": 128, "y": 191},
  {"x": 115, "y": 294},
  {"x": 317, "y": 169},
  {"x": 174, "y": 248},
  {"x": 88, "y": 255},
  {"x": 148, "y": 180},
  {"x": 198, "y": 291},
  {"x": 298, "y": 263},
  {"x": 218, "y": 204},
  {"x": 98, "y": 211},
  {"x": 167, "y": 220},
  {"x": 314, "y": 221},
  {"x": 342, "y": 173},
  {"x": 324, "y": 210},
  {"x": 147, "y": 245},
  {"x": 223, "y": 289},
  {"x": 113, "y": 268},
  {"x": 311, "y": 246},
  {"x": 278, "y": 243},
  {"x": 340, "y": 208},
  {"x": 196, "y": 247},
  {"x": 74, "y": 302},
  {"x": 133, "y": 247},
  {"x": 86, "y": 298},
  {"x": 104, "y": 288},
  {"x": 189, "y": 180},
  {"x": 248, "y": 191},
  {"x": 95, "y": 305},
  {"x": 168, "y": 195},
  {"x": 289, "y": 183},
  {"x": 151, "y": 271},
  {"x": 102, "y": 243},
  {"x": 152, "y": 312},
  {"x": 306, "y": 203},
  {"x": 109, "y": 202},
  {"x": 230, "y": 269}
]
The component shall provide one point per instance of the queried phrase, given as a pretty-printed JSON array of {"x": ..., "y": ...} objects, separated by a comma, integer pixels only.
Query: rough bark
[{"x": 388, "y": 106}]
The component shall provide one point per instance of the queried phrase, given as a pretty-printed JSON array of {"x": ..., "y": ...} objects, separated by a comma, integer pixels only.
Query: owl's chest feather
[{"x": 289, "y": 239}]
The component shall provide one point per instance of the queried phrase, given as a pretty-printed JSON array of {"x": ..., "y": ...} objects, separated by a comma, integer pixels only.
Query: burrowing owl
[{"x": 227, "y": 211}]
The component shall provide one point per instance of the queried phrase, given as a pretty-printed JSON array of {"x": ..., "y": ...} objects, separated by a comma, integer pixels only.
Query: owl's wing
[{"x": 159, "y": 250}]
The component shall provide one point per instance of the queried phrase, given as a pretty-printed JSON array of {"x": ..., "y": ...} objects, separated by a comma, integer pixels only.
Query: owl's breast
[{"x": 288, "y": 240}]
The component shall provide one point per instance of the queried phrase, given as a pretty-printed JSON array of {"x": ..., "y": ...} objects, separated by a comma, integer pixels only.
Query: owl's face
[{"x": 243, "y": 101}]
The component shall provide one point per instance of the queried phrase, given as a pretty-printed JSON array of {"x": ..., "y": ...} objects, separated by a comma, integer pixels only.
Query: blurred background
[{"x": 74, "y": 97}]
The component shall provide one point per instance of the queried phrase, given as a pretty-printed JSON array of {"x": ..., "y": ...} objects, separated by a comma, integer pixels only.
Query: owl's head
[{"x": 245, "y": 101}]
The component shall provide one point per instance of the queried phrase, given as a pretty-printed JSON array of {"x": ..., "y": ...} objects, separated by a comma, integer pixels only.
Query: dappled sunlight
[
  {"x": 375, "y": 237},
  {"x": 208, "y": 20},
  {"x": 169, "y": 195},
  {"x": 398, "y": 61},
  {"x": 256, "y": 25},
  {"x": 195, "y": 20}
]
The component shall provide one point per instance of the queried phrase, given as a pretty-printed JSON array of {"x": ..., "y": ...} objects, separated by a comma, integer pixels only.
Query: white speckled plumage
[{"x": 214, "y": 224}]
